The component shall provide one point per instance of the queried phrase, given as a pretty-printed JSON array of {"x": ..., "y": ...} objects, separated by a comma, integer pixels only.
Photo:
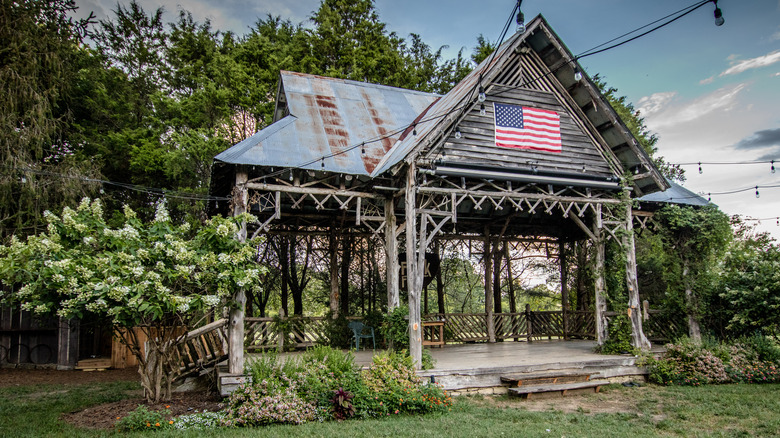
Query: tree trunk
[
  {"x": 694, "y": 331},
  {"x": 489, "y": 317},
  {"x": 346, "y": 261}
]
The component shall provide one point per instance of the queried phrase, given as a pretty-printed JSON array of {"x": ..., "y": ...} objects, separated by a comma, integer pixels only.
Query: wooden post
[
  {"x": 439, "y": 282},
  {"x": 601, "y": 301},
  {"x": 639, "y": 340},
  {"x": 391, "y": 255},
  {"x": 564, "y": 287},
  {"x": 489, "y": 316},
  {"x": 236, "y": 327},
  {"x": 333, "y": 244},
  {"x": 414, "y": 271},
  {"x": 529, "y": 316},
  {"x": 67, "y": 343}
]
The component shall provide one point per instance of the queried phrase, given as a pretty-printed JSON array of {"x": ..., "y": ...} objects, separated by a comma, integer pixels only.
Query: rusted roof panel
[{"x": 328, "y": 117}]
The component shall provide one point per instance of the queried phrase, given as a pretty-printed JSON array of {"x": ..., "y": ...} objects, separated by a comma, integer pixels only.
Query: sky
[{"x": 710, "y": 94}]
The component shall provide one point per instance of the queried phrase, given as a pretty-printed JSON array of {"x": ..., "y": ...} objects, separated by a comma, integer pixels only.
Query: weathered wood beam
[
  {"x": 236, "y": 328},
  {"x": 391, "y": 255},
  {"x": 413, "y": 271},
  {"x": 638, "y": 338},
  {"x": 600, "y": 298},
  {"x": 516, "y": 195},
  {"x": 489, "y": 317},
  {"x": 311, "y": 190},
  {"x": 333, "y": 249}
]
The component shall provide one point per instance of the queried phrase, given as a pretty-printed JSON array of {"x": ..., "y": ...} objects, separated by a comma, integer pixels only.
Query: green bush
[
  {"x": 395, "y": 328},
  {"x": 337, "y": 332},
  {"x": 618, "y": 337},
  {"x": 142, "y": 418}
]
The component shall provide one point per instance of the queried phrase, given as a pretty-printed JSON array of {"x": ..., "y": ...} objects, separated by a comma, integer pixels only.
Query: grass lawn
[{"x": 727, "y": 410}]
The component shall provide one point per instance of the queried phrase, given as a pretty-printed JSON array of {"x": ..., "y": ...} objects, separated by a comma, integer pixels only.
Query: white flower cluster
[
  {"x": 161, "y": 213},
  {"x": 210, "y": 300}
]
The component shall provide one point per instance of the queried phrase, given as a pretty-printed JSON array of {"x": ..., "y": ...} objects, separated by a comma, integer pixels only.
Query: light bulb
[
  {"x": 719, "y": 20},
  {"x": 709, "y": 197},
  {"x": 291, "y": 176},
  {"x": 363, "y": 148},
  {"x": 757, "y": 194},
  {"x": 414, "y": 130},
  {"x": 24, "y": 180},
  {"x": 520, "y": 22},
  {"x": 482, "y": 111},
  {"x": 773, "y": 167},
  {"x": 323, "y": 162},
  {"x": 457, "y": 133},
  {"x": 700, "y": 171},
  {"x": 577, "y": 75},
  {"x": 481, "y": 96}
]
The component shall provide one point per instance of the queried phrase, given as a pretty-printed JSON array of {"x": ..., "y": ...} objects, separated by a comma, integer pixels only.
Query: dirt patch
[
  {"x": 23, "y": 376},
  {"x": 104, "y": 416},
  {"x": 607, "y": 401}
]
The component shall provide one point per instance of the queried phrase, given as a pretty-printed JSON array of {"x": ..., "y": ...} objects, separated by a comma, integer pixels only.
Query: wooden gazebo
[{"x": 348, "y": 157}]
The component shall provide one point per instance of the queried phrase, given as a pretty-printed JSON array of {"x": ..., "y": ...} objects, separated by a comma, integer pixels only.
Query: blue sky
[{"x": 709, "y": 93}]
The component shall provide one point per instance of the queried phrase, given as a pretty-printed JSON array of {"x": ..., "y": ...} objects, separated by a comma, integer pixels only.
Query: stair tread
[
  {"x": 559, "y": 387},
  {"x": 545, "y": 375}
]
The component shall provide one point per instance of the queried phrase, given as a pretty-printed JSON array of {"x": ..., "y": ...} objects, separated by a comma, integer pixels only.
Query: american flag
[{"x": 527, "y": 128}]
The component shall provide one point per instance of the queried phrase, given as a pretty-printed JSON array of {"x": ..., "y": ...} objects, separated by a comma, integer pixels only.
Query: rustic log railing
[
  {"x": 264, "y": 333},
  {"x": 201, "y": 348}
]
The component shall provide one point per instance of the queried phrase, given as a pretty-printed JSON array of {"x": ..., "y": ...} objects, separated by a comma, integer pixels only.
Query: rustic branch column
[
  {"x": 489, "y": 317},
  {"x": 638, "y": 338},
  {"x": 564, "y": 287},
  {"x": 236, "y": 327},
  {"x": 600, "y": 299},
  {"x": 414, "y": 244},
  {"x": 333, "y": 245},
  {"x": 391, "y": 255}
]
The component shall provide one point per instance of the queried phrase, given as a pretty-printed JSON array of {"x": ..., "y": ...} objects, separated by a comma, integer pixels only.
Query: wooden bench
[
  {"x": 526, "y": 391},
  {"x": 436, "y": 336}
]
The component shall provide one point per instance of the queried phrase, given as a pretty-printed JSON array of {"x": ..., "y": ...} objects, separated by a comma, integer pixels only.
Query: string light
[
  {"x": 577, "y": 75},
  {"x": 363, "y": 148},
  {"x": 291, "y": 175},
  {"x": 323, "y": 162},
  {"x": 719, "y": 20},
  {"x": 414, "y": 130},
  {"x": 772, "y": 169},
  {"x": 700, "y": 171},
  {"x": 482, "y": 111},
  {"x": 457, "y": 132},
  {"x": 520, "y": 18},
  {"x": 481, "y": 97},
  {"x": 757, "y": 194}
]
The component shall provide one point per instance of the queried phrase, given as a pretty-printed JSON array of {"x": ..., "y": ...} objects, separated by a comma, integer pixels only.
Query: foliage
[
  {"x": 619, "y": 336},
  {"x": 159, "y": 277},
  {"x": 337, "y": 331},
  {"x": 199, "y": 421},
  {"x": 141, "y": 418},
  {"x": 341, "y": 403},
  {"x": 270, "y": 401},
  {"x": 750, "y": 285},
  {"x": 748, "y": 360},
  {"x": 395, "y": 328},
  {"x": 38, "y": 63}
]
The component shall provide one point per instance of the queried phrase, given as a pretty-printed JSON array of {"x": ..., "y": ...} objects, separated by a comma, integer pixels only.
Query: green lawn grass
[{"x": 726, "y": 410}]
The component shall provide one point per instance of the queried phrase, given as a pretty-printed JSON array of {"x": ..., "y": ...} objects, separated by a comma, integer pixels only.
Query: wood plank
[{"x": 521, "y": 390}]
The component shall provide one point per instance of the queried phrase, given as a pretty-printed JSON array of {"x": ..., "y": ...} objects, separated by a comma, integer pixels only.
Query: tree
[
  {"x": 694, "y": 239},
  {"x": 38, "y": 44},
  {"x": 157, "y": 277},
  {"x": 750, "y": 285}
]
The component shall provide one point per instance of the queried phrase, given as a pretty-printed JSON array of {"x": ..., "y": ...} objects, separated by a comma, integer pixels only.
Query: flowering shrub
[
  {"x": 143, "y": 419},
  {"x": 271, "y": 401},
  {"x": 199, "y": 421},
  {"x": 156, "y": 276},
  {"x": 686, "y": 363}
]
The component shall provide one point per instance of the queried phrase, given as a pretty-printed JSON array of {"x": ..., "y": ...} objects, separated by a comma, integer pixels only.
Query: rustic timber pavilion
[{"x": 410, "y": 169}]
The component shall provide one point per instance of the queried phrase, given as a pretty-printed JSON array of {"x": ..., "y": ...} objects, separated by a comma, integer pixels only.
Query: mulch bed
[{"x": 104, "y": 416}]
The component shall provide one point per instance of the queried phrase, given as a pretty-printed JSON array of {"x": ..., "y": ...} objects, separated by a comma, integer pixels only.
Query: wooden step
[
  {"x": 546, "y": 377},
  {"x": 526, "y": 391},
  {"x": 94, "y": 364}
]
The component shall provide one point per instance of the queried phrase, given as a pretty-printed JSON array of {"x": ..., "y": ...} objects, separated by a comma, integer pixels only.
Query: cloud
[
  {"x": 660, "y": 109},
  {"x": 655, "y": 103},
  {"x": 767, "y": 140},
  {"x": 709, "y": 80},
  {"x": 758, "y": 62}
]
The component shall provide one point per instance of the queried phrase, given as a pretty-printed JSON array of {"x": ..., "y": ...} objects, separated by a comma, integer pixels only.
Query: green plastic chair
[{"x": 361, "y": 331}]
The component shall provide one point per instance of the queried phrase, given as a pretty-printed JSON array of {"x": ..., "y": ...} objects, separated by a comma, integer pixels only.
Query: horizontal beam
[
  {"x": 516, "y": 195},
  {"x": 311, "y": 190}
]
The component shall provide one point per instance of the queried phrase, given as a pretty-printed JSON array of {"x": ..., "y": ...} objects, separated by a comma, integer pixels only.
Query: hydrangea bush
[
  {"x": 748, "y": 360},
  {"x": 158, "y": 277}
]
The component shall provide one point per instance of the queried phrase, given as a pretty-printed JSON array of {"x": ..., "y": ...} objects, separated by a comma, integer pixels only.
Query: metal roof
[
  {"x": 328, "y": 116},
  {"x": 676, "y": 194}
]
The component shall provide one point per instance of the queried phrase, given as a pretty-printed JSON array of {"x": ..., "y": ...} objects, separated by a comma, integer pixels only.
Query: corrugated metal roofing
[
  {"x": 676, "y": 194},
  {"x": 328, "y": 116}
]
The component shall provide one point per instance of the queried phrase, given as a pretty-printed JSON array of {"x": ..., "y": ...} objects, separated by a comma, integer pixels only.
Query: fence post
[{"x": 529, "y": 322}]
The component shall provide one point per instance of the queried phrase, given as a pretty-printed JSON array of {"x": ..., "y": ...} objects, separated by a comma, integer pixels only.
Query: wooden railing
[
  {"x": 660, "y": 328},
  {"x": 264, "y": 333},
  {"x": 201, "y": 348}
]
